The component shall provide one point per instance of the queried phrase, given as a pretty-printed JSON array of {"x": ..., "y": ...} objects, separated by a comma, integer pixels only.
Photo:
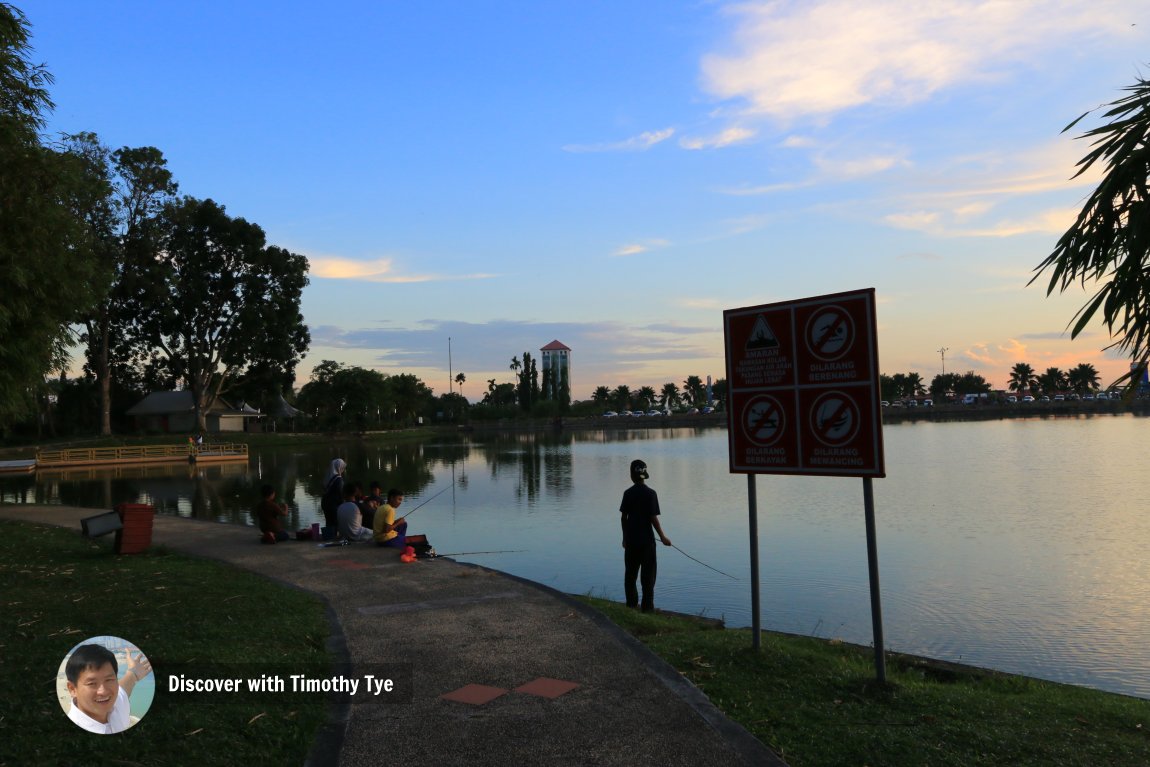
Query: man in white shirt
[{"x": 99, "y": 699}]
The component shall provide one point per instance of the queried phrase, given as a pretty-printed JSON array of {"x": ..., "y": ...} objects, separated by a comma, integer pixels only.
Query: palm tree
[
  {"x": 459, "y": 379},
  {"x": 914, "y": 385},
  {"x": 693, "y": 387},
  {"x": 1083, "y": 378},
  {"x": 670, "y": 395},
  {"x": 1022, "y": 377},
  {"x": 601, "y": 395},
  {"x": 1108, "y": 242},
  {"x": 622, "y": 397},
  {"x": 1052, "y": 381},
  {"x": 646, "y": 397}
]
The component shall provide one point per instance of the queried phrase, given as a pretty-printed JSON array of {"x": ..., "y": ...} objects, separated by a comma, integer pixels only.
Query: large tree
[
  {"x": 1108, "y": 245},
  {"x": 122, "y": 227},
  {"x": 47, "y": 267},
  {"x": 223, "y": 303}
]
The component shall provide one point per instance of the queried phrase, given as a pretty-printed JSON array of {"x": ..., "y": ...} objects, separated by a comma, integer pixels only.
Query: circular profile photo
[{"x": 105, "y": 685}]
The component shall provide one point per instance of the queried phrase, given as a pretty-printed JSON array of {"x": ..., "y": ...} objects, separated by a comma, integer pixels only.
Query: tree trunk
[{"x": 105, "y": 379}]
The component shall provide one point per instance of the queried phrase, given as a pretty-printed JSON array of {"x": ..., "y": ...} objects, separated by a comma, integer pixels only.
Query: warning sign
[{"x": 803, "y": 387}]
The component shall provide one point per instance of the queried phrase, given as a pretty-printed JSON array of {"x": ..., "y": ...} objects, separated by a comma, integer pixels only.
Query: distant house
[{"x": 174, "y": 412}]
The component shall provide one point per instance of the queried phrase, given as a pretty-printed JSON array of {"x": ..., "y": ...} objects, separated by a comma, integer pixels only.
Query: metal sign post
[
  {"x": 803, "y": 398},
  {"x": 753, "y": 523}
]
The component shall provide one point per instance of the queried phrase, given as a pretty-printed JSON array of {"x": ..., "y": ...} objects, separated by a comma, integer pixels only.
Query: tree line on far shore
[{"x": 1081, "y": 379}]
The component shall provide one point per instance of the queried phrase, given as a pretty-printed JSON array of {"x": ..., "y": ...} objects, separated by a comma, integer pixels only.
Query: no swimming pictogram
[{"x": 830, "y": 333}]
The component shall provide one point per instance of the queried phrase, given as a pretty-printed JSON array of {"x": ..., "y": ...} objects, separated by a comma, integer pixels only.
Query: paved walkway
[{"x": 505, "y": 671}]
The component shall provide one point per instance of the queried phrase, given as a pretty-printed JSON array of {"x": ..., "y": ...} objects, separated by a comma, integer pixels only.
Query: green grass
[
  {"x": 817, "y": 703},
  {"x": 59, "y": 589}
]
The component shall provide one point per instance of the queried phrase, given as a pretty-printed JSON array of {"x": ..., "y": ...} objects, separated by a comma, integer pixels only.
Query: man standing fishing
[{"x": 640, "y": 519}]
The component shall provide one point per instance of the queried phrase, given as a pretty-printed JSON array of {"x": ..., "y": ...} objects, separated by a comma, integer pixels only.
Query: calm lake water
[{"x": 1019, "y": 545}]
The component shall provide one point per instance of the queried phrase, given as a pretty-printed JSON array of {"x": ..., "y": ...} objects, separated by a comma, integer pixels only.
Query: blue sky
[{"x": 615, "y": 174}]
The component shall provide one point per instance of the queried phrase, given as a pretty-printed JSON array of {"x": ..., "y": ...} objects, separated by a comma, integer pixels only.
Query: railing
[{"x": 140, "y": 454}]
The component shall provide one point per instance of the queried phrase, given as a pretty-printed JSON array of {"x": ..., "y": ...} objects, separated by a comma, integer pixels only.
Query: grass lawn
[
  {"x": 58, "y": 589},
  {"x": 817, "y": 703}
]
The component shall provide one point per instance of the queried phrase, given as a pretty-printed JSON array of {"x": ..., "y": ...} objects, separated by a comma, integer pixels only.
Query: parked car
[
  {"x": 1012, "y": 399},
  {"x": 708, "y": 409},
  {"x": 656, "y": 412},
  {"x": 928, "y": 403},
  {"x": 885, "y": 403},
  {"x": 1059, "y": 398},
  {"x": 1028, "y": 398},
  {"x": 610, "y": 414}
]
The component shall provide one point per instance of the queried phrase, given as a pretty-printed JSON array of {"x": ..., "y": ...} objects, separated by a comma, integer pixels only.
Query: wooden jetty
[{"x": 139, "y": 454}]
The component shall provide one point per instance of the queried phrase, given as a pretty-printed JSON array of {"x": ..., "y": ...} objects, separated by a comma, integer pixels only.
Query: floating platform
[
  {"x": 18, "y": 467},
  {"x": 140, "y": 454}
]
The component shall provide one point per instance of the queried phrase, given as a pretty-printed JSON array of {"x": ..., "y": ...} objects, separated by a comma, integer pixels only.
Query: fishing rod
[
  {"x": 704, "y": 564},
  {"x": 429, "y": 500}
]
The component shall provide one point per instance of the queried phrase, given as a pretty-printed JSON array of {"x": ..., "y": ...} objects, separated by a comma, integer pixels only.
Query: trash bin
[{"x": 136, "y": 535}]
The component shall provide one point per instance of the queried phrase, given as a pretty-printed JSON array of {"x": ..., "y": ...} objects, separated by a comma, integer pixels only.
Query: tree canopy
[
  {"x": 47, "y": 265},
  {"x": 223, "y": 302}
]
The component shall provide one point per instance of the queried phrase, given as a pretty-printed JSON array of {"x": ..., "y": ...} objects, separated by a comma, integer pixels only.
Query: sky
[{"x": 471, "y": 180}]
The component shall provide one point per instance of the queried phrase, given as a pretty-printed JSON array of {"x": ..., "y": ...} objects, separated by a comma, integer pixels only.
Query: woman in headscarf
[{"x": 332, "y": 491}]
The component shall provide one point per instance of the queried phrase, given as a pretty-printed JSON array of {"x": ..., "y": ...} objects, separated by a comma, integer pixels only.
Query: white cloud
[
  {"x": 636, "y": 248},
  {"x": 797, "y": 59},
  {"x": 978, "y": 187},
  {"x": 732, "y": 135},
  {"x": 640, "y": 143},
  {"x": 378, "y": 270}
]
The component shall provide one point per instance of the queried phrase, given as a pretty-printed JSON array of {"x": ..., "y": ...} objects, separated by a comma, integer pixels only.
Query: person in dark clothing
[
  {"x": 269, "y": 516},
  {"x": 640, "y": 519}
]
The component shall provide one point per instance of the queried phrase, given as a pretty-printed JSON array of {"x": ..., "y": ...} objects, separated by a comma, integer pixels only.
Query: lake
[{"x": 1019, "y": 545}]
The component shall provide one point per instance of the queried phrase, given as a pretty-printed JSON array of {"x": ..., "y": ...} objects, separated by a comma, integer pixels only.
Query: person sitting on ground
[
  {"x": 390, "y": 531},
  {"x": 349, "y": 518},
  {"x": 99, "y": 700},
  {"x": 368, "y": 507},
  {"x": 269, "y": 515}
]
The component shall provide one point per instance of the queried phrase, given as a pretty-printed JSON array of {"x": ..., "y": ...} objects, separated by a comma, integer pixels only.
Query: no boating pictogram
[
  {"x": 830, "y": 333},
  {"x": 763, "y": 420}
]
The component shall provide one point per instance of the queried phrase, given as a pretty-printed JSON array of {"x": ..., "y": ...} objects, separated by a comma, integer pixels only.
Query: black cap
[{"x": 639, "y": 470}]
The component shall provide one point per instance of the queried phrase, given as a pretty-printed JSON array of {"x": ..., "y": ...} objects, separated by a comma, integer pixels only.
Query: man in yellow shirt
[{"x": 390, "y": 531}]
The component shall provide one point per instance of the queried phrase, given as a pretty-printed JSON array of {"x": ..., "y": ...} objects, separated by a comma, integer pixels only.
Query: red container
[{"x": 136, "y": 536}]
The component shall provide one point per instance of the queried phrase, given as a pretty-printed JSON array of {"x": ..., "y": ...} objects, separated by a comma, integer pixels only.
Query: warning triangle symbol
[{"x": 762, "y": 337}]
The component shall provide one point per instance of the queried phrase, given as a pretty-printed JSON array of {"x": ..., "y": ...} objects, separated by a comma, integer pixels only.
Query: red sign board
[{"x": 803, "y": 387}]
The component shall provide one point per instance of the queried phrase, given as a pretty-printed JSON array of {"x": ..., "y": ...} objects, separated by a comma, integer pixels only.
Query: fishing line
[
  {"x": 463, "y": 553},
  {"x": 429, "y": 500},
  {"x": 704, "y": 564}
]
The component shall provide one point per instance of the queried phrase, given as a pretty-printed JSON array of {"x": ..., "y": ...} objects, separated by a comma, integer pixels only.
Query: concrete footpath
[{"x": 505, "y": 671}]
